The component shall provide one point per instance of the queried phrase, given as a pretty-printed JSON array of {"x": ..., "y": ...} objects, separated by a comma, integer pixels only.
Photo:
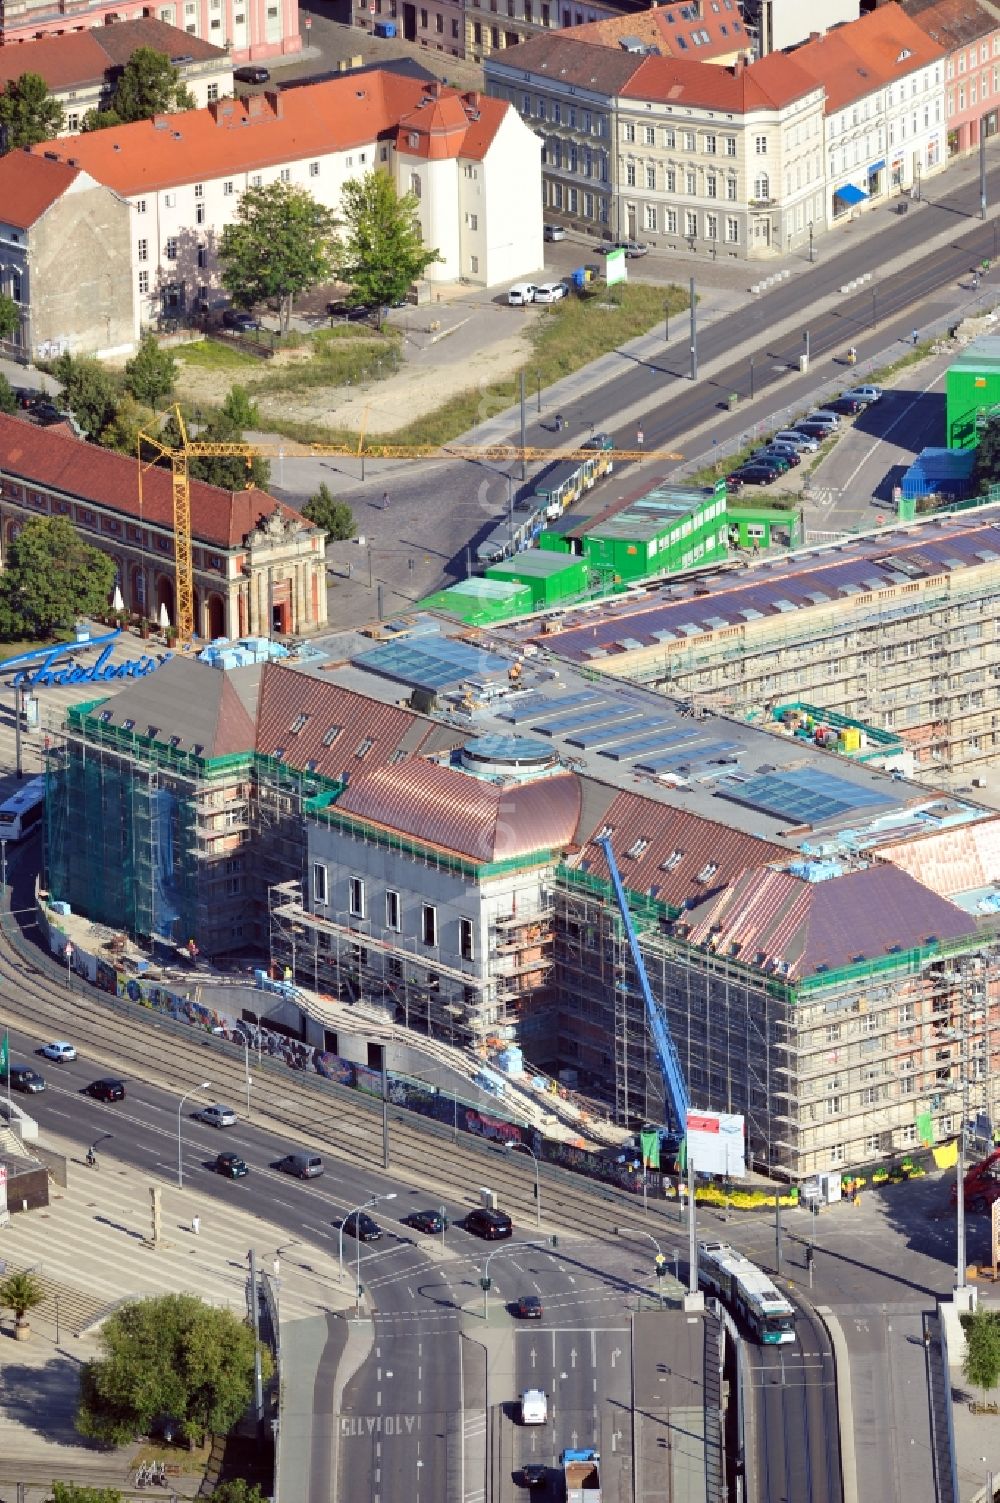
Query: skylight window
[
  {"x": 672, "y": 862},
  {"x": 298, "y": 723},
  {"x": 332, "y": 735},
  {"x": 604, "y": 832},
  {"x": 638, "y": 848},
  {"x": 364, "y": 748},
  {"x": 128, "y": 725},
  {"x": 708, "y": 870}
]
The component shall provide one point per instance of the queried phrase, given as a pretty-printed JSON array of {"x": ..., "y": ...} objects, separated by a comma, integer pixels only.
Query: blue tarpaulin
[
  {"x": 850, "y": 195},
  {"x": 940, "y": 472}
]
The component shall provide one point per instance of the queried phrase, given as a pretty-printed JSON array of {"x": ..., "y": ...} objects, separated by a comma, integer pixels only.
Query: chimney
[
  {"x": 434, "y": 89},
  {"x": 276, "y": 102},
  {"x": 473, "y": 99},
  {"x": 738, "y": 66}
]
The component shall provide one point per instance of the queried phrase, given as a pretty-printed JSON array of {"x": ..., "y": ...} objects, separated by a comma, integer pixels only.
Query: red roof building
[
  {"x": 249, "y": 32},
  {"x": 258, "y": 564},
  {"x": 969, "y": 31}
]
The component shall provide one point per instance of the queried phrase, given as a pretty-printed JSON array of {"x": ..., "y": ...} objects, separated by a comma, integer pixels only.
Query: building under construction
[
  {"x": 818, "y": 934},
  {"x": 899, "y": 629}
]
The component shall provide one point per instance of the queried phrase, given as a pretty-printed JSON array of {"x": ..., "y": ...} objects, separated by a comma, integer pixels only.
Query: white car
[
  {"x": 550, "y": 292},
  {"x": 217, "y": 1116},
  {"x": 521, "y": 293},
  {"x": 796, "y": 439},
  {"x": 60, "y": 1051}
]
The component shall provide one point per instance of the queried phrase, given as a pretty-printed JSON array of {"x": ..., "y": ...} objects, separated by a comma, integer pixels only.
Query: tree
[
  {"x": 10, "y": 316},
  {"x": 230, "y": 471},
  {"x": 99, "y": 120},
  {"x": 20, "y": 1292},
  {"x": 382, "y": 252},
  {"x": 8, "y": 401},
  {"x": 151, "y": 373},
  {"x": 335, "y": 517},
  {"x": 172, "y": 1355},
  {"x": 87, "y": 391},
  {"x": 71, "y": 1492},
  {"x": 986, "y": 466},
  {"x": 28, "y": 113},
  {"x": 236, "y": 1491},
  {"x": 130, "y": 419},
  {"x": 981, "y": 1364},
  {"x": 280, "y": 244},
  {"x": 51, "y": 577},
  {"x": 150, "y": 85},
  {"x": 241, "y": 409}
]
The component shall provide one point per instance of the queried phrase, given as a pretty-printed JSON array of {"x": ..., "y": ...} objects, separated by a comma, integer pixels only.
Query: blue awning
[
  {"x": 877, "y": 167},
  {"x": 850, "y": 194}
]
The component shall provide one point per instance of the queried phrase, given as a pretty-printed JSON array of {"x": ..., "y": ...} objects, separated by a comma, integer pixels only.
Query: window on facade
[
  {"x": 199, "y": 213},
  {"x": 710, "y": 143},
  {"x": 143, "y": 250},
  {"x": 712, "y": 186},
  {"x": 320, "y": 888},
  {"x": 760, "y": 145},
  {"x": 466, "y": 945},
  {"x": 690, "y": 224},
  {"x": 651, "y": 177},
  {"x": 630, "y": 174},
  {"x": 628, "y": 131},
  {"x": 256, "y": 181},
  {"x": 172, "y": 248},
  {"x": 670, "y": 221},
  {"x": 199, "y": 190},
  {"x": 650, "y": 217},
  {"x": 649, "y": 135},
  {"x": 762, "y": 186},
  {"x": 711, "y": 227},
  {"x": 474, "y": 265},
  {"x": 428, "y": 924},
  {"x": 690, "y": 182},
  {"x": 143, "y": 283},
  {"x": 140, "y": 206},
  {"x": 356, "y": 897},
  {"x": 393, "y": 909},
  {"x": 731, "y": 189},
  {"x": 415, "y": 184},
  {"x": 730, "y": 145},
  {"x": 203, "y": 256},
  {"x": 687, "y": 140},
  {"x": 227, "y": 188},
  {"x": 212, "y": 93}
]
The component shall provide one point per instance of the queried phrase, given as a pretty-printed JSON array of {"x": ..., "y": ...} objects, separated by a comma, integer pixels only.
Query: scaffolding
[{"x": 842, "y": 1067}]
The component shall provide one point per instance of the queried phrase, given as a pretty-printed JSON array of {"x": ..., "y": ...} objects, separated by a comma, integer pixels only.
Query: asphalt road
[{"x": 795, "y": 1403}]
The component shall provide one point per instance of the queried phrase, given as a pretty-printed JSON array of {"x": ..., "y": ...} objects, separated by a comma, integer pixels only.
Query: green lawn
[{"x": 208, "y": 354}]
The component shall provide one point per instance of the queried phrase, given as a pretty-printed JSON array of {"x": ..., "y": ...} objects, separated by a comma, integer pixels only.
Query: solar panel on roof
[
  {"x": 433, "y": 663},
  {"x": 805, "y": 795},
  {"x": 541, "y": 708},
  {"x": 580, "y": 720},
  {"x": 599, "y": 736}
]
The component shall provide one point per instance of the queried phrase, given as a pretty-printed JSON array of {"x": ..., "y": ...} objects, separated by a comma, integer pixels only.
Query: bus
[
  {"x": 23, "y": 811},
  {"x": 748, "y": 1290},
  {"x": 557, "y": 487}
]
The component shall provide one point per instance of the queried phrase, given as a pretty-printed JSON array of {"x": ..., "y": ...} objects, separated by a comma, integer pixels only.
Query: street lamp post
[
  {"x": 811, "y": 255},
  {"x": 512, "y": 1147},
  {"x": 373, "y": 1200},
  {"x": 538, "y": 384},
  {"x": 485, "y": 1280},
  {"x": 180, "y": 1107},
  {"x": 638, "y": 1231},
  {"x": 246, "y": 1063}
]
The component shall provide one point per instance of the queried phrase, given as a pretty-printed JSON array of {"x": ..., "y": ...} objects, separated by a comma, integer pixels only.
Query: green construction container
[
  {"x": 669, "y": 528},
  {"x": 552, "y": 578},
  {"x": 480, "y": 601},
  {"x": 972, "y": 392}
]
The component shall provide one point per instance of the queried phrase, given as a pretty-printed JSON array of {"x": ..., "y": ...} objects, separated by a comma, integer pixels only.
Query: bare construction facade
[{"x": 901, "y": 630}]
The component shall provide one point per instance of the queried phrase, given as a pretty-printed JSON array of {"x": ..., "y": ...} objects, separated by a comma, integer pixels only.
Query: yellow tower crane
[{"x": 193, "y": 448}]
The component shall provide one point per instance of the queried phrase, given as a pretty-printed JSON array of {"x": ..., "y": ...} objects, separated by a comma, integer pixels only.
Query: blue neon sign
[{"x": 55, "y": 665}]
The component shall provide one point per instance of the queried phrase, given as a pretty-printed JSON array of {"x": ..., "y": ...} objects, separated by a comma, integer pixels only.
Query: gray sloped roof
[{"x": 198, "y": 705}]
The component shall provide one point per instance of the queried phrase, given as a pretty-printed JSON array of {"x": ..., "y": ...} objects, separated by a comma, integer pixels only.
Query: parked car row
[
  {"x": 784, "y": 451},
  {"x": 523, "y": 293}
]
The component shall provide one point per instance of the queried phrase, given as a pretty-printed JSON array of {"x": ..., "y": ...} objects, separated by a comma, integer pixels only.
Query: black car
[
  {"x": 352, "y": 313},
  {"x": 106, "y": 1089},
  {"x": 757, "y": 474},
  {"x": 493, "y": 1225},
  {"x": 849, "y": 405},
  {"x": 426, "y": 1221},
  {"x": 733, "y": 483},
  {"x": 251, "y": 74},
  {"x": 45, "y": 413},
  {"x": 231, "y": 1165},
  {"x": 533, "y": 1475},
  {"x": 821, "y": 431},
  {"x": 529, "y": 1307},
  {"x": 359, "y": 1224},
  {"x": 240, "y": 321},
  {"x": 23, "y": 1078}
]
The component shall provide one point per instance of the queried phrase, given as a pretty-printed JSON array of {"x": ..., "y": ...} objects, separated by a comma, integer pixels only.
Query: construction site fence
[
  {"x": 648, "y": 915},
  {"x": 135, "y": 997}
]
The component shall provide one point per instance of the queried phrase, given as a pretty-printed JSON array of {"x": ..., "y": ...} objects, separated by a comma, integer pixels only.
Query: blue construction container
[{"x": 941, "y": 472}]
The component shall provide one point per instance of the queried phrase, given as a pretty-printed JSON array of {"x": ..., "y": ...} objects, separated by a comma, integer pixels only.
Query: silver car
[
  {"x": 796, "y": 439},
  {"x": 217, "y": 1116}
]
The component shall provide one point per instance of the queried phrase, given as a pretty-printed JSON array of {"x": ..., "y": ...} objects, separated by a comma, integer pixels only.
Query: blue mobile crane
[{"x": 666, "y": 1050}]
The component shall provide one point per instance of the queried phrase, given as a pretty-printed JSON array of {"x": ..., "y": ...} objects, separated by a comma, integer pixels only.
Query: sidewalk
[{"x": 90, "y": 1252}]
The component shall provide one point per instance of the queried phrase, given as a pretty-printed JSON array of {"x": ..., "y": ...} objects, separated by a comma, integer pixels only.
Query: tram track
[
  {"x": 131, "y": 1039},
  {"x": 796, "y": 1419}
]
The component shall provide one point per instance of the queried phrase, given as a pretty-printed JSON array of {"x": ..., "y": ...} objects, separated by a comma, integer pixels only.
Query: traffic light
[
  {"x": 485, "y": 1284},
  {"x": 661, "y": 1265},
  {"x": 810, "y": 1257}
]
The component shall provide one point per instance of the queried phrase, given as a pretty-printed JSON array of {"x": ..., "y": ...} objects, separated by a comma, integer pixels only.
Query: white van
[
  {"x": 521, "y": 293},
  {"x": 534, "y": 1407}
]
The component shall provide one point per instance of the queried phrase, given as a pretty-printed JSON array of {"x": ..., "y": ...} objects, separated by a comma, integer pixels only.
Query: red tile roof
[
  {"x": 794, "y": 928},
  {"x": 53, "y": 458},
  {"x": 856, "y": 60},
  {"x": 679, "y": 858},
  {"x": 454, "y": 811},
  {"x": 265, "y": 129},
  {"x": 451, "y": 125},
  {"x": 953, "y": 23},
  {"x": 78, "y": 58},
  {"x": 29, "y": 188},
  {"x": 775, "y": 81},
  {"x": 673, "y": 32},
  {"x": 340, "y": 733}
]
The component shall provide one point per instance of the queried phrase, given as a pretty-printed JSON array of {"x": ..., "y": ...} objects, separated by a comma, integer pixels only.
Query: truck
[
  {"x": 534, "y": 1407},
  {"x": 982, "y": 1184},
  {"x": 582, "y": 1474}
]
